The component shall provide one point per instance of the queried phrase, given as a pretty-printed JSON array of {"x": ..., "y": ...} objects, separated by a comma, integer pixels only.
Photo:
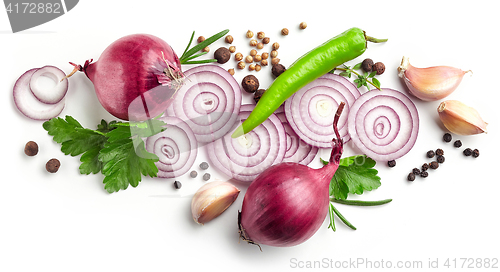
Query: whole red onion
[
  {"x": 286, "y": 204},
  {"x": 135, "y": 77}
]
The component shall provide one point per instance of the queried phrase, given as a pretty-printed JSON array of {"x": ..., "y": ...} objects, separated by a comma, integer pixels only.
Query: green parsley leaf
[{"x": 355, "y": 178}]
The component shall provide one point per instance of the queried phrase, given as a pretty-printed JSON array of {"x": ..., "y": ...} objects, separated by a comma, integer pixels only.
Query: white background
[{"x": 68, "y": 222}]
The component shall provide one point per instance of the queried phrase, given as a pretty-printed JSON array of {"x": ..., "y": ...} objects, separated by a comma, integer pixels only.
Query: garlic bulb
[
  {"x": 212, "y": 199},
  {"x": 460, "y": 118},
  {"x": 431, "y": 83}
]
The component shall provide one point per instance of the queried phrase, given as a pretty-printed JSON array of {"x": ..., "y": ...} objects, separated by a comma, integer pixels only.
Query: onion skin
[
  {"x": 288, "y": 202},
  {"x": 132, "y": 77}
]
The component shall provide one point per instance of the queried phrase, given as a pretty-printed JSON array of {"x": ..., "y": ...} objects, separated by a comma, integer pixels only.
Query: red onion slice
[
  {"x": 296, "y": 149},
  {"x": 49, "y": 96},
  {"x": 208, "y": 102},
  {"x": 176, "y": 148},
  {"x": 27, "y": 103},
  {"x": 311, "y": 110},
  {"x": 383, "y": 124},
  {"x": 245, "y": 157}
]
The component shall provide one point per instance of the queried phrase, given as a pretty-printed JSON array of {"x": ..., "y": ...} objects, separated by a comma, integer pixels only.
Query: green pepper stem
[
  {"x": 351, "y": 70},
  {"x": 375, "y": 40},
  {"x": 360, "y": 202}
]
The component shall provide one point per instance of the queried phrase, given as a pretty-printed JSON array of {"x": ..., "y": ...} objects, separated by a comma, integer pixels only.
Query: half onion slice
[
  {"x": 176, "y": 148},
  {"x": 383, "y": 124},
  {"x": 208, "y": 102},
  {"x": 245, "y": 157},
  {"x": 296, "y": 150},
  {"x": 29, "y": 105},
  {"x": 311, "y": 110}
]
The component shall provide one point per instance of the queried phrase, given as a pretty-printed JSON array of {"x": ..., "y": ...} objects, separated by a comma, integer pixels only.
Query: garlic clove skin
[
  {"x": 431, "y": 83},
  {"x": 211, "y": 200},
  {"x": 460, "y": 118}
]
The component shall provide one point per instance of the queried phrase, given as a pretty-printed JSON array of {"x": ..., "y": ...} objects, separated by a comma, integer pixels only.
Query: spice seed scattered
[
  {"x": 206, "y": 176},
  {"x": 468, "y": 152},
  {"x": 204, "y": 166},
  {"x": 475, "y": 153},
  {"x": 284, "y": 31},
  {"x": 416, "y": 171},
  {"x": 258, "y": 94},
  {"x": 261, "y": 35},
  {"x": 457, "y": 143},
  {"x": 430, "y": 154},
  {"x": 425, "y": 167},
  {"x": 424, "y": 174},
  {"x": 229, "y": 39},
  {"x": 440, "y": 159},
  {"x": 411, "y": 177},
  {"x": 303, "y": 25},
  {"x": 447, "y": 137},
  {"x": 391, "y": 163},
  {"x": 52, "y": 165},
  {"x": 31, "y": 148},
  {"x": 367, "y": 65},
  {"x": 434, "y": 165},
  {"x": 177, "y": 184},
  {"x": 222, "y": 55},
  {"x": 193, "y": 174},
  {"x": 439, "y": 152}
]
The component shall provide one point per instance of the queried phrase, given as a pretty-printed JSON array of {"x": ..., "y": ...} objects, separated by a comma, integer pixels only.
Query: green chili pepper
[{"x": 312, "y": 65}]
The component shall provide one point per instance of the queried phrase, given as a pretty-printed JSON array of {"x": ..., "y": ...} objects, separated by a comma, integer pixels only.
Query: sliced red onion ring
[
  {"x": 208, "y": 102},
  {"x": 383, "y": 124},
  {"x": 311, "y": 110},
  {"x": 176, "y": 148},
  {"x": 27, "y": 103},
  {"x": 296, "y": 150},
  {"x": 245, "y": 157},
  {"x": 49, "y": 96}
]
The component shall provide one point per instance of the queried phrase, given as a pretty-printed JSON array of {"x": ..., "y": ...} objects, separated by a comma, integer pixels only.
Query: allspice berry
[
  {"x": 379, "y": 67},
  {"x": 229, "y": 39},
  {"x": 222, "y": 55},
  {"x": 250, "y": 84},
  {"x": 367, "y": 65},
  {"x": 31, "y": 148},
  {"x": 278, "y": 69},
  {"x": 258, "y": 94},
  {"x": 284, "y": 31},
  {"x": 52, "y": 165}
]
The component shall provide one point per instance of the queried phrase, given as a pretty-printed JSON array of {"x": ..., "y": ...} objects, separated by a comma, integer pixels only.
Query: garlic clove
[
  {"x": 212, "y": 199},
  {"x": 460, "y": 118},
  {"x": 431, "y": 83}
]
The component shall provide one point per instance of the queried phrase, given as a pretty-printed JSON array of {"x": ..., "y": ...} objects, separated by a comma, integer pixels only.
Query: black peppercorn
[
  {"x": 439, "y": 152},
  {"x": 222, "y": 55},
  {"x": 411, "y": 177},
  {"x": 177, "y": 184},
  {"x": 250, "y": 84},
  {"x": 447, "y": 137},
  {"x": 204, "y": 166},
  {"x": 52, "y": 165},
  {"x": 424, "y": 174},
  {"x": 193, "y": 174},
  {"x": 425, "y": 167},
  {"x": 416, "y": 171},
  {"x": 468, "y": 152},
  {"x": 258, "y": 94},
  {"x": 391, "y": 163},
  {"x": 206, "y": 176},
  {"x": 457, "y": 143},
  {"x": 434, "y": 165},
  {"x": 278, "y": 69},
  {"x": 430, "y": 154},
  {"x": 475, "y": 153},
  {"x": 440, "y": 159},
  {"x": 366, "y": 65},
  {"x": 379, "y": 67},
  {"x": 31, "y": 148}
]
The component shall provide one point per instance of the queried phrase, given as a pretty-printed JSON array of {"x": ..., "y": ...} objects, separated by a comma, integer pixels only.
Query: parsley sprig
[
  {"x": 355, "y": 175},
  {"x": 115, "y": 149},
  {"x": 363, "y": 79}
]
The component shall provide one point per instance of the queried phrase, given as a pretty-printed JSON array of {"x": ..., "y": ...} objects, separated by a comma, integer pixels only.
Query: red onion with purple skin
[
  {"x": 135, "y": 77},
  {"x": 287, "y": 203}
]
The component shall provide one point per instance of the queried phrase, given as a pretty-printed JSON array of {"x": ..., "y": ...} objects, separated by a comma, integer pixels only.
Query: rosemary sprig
[
  {"x": 190, "y": 54},
  {"x": 363, "y": 79}
]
